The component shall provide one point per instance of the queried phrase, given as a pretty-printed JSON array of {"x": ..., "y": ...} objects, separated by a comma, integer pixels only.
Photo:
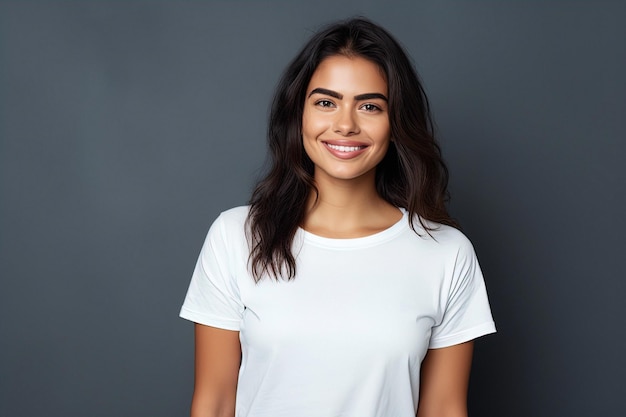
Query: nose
[{"x": 346, "y": 123}]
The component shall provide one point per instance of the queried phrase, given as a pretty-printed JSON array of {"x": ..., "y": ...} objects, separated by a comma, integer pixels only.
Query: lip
[{"x": 344, "y": 149}]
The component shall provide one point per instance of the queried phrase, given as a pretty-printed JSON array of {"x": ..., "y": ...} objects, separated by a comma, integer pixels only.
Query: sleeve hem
[
  {"x": 464, "y": 336},
  {"x": 221, "y": 323}
]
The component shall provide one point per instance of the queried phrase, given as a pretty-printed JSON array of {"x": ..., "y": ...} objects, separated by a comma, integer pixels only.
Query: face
[{"x": 345, "y": 123}]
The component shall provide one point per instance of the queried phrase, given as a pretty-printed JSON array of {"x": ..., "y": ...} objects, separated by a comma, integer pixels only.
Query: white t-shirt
[{"x": 346, "y": 337}]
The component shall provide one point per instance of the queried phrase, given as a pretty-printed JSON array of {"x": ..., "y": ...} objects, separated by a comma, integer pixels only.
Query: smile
[{"x": 342, "y": 148}]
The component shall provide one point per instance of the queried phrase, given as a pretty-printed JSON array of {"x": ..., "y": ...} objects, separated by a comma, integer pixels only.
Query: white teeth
[{"x": 342, "y": 148}]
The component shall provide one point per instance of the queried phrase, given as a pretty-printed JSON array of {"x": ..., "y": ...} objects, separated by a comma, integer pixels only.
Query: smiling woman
[
  {"x": 345, "y": 124},
  {"x": 344, "y": 288},
  {"x": 346, "y": 133}
]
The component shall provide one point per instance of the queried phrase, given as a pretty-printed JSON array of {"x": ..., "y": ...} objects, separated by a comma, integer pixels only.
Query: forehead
[{"x": 348, "y": 75}]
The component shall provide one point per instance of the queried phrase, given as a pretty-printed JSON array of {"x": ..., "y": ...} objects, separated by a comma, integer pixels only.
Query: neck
[{"x": 345, "y": 209}]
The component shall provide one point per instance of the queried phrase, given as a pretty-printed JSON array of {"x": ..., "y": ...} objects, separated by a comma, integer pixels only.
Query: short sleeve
[
  {"x": 466, "y": 313},
  {"x": 213, "y": 296}
]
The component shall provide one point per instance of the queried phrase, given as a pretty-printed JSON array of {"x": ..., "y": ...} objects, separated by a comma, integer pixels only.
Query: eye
[
  {"x": 324, "y": 103},
  {"x": 369, "y": 107}
]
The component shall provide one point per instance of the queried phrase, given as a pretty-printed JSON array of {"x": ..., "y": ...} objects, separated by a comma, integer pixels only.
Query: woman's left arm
[{"x": 444, "y": 381}]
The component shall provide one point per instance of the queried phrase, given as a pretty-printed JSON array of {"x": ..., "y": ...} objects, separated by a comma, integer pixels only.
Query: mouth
[{"x": 345, "y": 150}]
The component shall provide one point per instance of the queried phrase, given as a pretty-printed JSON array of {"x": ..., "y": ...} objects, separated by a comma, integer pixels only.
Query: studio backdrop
[{"x": 126, "y": 127}]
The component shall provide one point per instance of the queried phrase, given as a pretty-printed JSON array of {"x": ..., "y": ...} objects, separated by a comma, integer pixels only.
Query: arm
[
  {"x": 444, "y": 381},
  {"x": 218, "y": 357}
]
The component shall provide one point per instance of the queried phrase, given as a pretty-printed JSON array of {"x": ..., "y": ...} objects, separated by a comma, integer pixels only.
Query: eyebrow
[{"x": 366, "y": 96}]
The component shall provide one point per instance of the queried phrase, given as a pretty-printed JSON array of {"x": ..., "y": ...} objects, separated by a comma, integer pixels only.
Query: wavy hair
[{"x": 412, "y": 175}]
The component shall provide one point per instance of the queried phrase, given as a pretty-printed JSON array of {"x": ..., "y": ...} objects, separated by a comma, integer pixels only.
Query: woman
[{"x": 344, "y": 289}]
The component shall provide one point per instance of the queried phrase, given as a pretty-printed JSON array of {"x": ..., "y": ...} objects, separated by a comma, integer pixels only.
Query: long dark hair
[{"x": 412, "y": 174}]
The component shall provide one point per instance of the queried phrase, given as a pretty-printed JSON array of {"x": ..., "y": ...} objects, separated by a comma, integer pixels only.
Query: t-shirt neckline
[{"x": 358, "y": 242}]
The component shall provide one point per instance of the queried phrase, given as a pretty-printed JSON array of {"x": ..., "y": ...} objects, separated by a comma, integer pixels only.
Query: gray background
[{"x": 126, "y": 127}]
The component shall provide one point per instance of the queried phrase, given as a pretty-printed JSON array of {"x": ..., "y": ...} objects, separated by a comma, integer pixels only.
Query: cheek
[
  {"x": 306, "y": 126},
  {"x": 313, "y": 125},
  {"x": 308, "y": 134},
  {"x": 380, "y": 133}
]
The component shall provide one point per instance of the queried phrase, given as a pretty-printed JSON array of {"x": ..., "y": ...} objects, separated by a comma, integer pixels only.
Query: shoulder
[
  {"x": 232, "y": 219},
  {"x": 234, "y": 216},
  {"x": 443, "y": 236},
  {"x": 230, "y": 223}
]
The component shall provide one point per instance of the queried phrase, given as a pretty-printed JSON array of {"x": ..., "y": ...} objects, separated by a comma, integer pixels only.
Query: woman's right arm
[{"x": 218, "y": 357}]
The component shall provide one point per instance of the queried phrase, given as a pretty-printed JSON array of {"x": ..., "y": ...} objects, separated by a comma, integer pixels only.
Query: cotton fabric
[{"x": 346, "y": 337}]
